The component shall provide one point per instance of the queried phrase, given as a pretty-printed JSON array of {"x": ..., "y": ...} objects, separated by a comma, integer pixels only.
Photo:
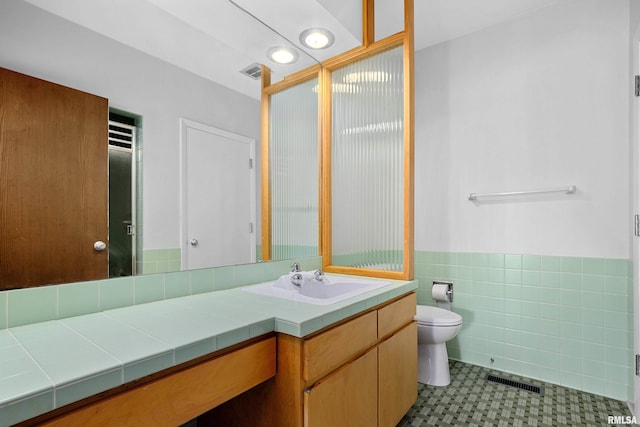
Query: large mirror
[{"x": 174, "y": 67}]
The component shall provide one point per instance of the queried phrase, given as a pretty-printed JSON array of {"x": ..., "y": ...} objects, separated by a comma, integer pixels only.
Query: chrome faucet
[
  {"x": 318, "y": 275},
  {"x": 296, "y": 279}
]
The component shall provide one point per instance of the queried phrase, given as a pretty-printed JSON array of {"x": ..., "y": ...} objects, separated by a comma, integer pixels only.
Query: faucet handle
[
  {"x": 295, "y": 267},
  {"x": 297, "y": 279},
  {"x": 318, "y": 275}
]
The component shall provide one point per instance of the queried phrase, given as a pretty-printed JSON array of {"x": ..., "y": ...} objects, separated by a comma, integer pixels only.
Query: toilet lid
[{"x": 427, "y": 315}]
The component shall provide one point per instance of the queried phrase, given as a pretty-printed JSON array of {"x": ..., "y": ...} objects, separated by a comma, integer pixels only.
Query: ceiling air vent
[{"x": 254, "y": 71}]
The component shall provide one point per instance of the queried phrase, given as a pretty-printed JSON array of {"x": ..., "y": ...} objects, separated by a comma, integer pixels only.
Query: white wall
[
  {"x": 538, "y": 102},
  {"x": 635, "y": 186},
  {"x": 37, "y": 43}
]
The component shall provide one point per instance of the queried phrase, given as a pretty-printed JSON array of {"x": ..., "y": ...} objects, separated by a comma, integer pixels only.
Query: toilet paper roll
[{"x": 439, "y": 292}]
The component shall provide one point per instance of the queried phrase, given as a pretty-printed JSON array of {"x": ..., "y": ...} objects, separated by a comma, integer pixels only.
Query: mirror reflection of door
[
  {"x": 53, "y": 183},
  {"x": 218, "y": 197},
  {"x": 122, "y": 227}
]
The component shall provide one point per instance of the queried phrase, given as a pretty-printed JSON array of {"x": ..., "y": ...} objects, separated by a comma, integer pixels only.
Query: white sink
[{"x": 332, "y": 290}]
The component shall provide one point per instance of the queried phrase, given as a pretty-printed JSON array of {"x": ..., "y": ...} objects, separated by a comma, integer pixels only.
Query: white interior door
[{"x": 218, "y": 209}]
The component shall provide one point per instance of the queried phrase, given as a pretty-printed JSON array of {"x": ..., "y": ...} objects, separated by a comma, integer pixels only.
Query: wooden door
[
  {"x": 398, "y": 375},
  {"x": 347, "y": 397},
  {"x": 53, "y": 183}
]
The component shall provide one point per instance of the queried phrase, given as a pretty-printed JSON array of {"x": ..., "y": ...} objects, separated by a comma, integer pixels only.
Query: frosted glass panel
[
  {"x": 367, "y": 163},
  {"x": 293, "y": 163}
]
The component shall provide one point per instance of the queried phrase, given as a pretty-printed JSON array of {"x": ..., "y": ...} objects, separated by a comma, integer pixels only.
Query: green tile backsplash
[
  {"x": 24, "y": 306},
  {"x": 32, "y": 305},
  {"x": 160, "y": 261},
  {"x": 565, "y": 320},
  {"x": 76, "y": 299}
]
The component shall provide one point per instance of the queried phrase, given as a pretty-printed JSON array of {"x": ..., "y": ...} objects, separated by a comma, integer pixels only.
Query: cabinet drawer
[
  {"x": 395, "y": 315},
  {"x": 332, "y": 349}
]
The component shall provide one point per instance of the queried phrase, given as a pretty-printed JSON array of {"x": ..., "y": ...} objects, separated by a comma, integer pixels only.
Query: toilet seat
[{"x": 433, "y": 316}]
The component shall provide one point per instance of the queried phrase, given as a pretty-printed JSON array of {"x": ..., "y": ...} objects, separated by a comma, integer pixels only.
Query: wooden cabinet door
[
  {"x": 347, "y": 397},
  {"x": 397, "y": 375},
  {"x": 53, "y": 183}
]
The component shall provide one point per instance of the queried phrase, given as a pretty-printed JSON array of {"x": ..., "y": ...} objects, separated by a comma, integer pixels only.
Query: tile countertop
[{"x": 44, "y": 366}]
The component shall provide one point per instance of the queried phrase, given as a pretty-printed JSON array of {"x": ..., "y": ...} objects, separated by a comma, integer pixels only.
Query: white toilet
[{"x": 436, "y": 326}]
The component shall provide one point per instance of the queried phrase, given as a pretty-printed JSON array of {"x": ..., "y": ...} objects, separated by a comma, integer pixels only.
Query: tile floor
[{"x": 471, "y": 401}]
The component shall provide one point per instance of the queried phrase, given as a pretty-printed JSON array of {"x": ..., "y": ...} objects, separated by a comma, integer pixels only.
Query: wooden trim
[
  {"x": 265, "y": 107},
  {"x": 182, "y": 396},
  {"x": 293, "y": 79},
  {"x": 409, "y": 134},
  {"x": 287, "y": 410},
  {"x": 367, "y": 272},
  {"x": 360, "y": 52},
  {"x": 325, "y": 184},
  {"x": 321, "y": 172},
  {"x": 368, "y": 22}
]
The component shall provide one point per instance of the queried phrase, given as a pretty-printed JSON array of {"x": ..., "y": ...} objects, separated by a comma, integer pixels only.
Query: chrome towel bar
[{"x": 568, "y": 190}]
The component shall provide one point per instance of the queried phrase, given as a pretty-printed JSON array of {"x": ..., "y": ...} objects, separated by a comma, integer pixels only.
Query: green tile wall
[
  {"x": 565, "y": 320},
  {"x": 24, "y": 306},
  {"x": 160, "y": 261}
]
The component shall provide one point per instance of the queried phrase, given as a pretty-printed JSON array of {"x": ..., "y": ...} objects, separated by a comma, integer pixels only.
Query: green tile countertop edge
[{"x": 58, "y": 362}]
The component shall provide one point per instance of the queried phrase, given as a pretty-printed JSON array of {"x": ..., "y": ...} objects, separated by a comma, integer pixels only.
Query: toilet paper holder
[{"x": 449, "y": 289}]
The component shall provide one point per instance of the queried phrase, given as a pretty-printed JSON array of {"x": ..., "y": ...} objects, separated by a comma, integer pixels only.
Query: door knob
[
  {"x": 194, "y": 242},
  {"x": 99, "y": 246}
]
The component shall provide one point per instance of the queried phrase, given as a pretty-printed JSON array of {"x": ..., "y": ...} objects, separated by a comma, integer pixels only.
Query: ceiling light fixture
[
  {"x": 282, "y": 55},
  {"x": 316, "y": 38}
]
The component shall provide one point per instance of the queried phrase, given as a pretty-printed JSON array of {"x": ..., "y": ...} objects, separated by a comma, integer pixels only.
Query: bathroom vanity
[
  {"x": 167, "y": 362},
  {"x": 360, "y": 372}
]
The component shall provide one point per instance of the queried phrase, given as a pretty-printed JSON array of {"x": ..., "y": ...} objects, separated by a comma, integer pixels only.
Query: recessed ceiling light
[
  {"x": 317, "y": 38},
  {"x": 282, "y": 55}
]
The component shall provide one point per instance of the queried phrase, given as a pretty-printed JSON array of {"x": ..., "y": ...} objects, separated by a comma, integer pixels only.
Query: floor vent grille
[{"x": 516, "y": 384}]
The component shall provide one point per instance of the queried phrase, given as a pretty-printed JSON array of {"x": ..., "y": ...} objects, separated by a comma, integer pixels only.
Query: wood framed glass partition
[
  {"x": 291, "y": 167},
  {"x": 366, "y": 184}
]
